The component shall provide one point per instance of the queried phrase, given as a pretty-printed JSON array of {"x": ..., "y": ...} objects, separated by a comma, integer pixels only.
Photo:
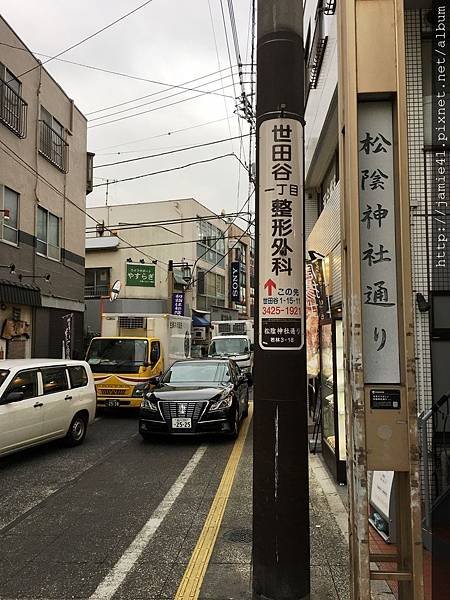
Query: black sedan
[{"x": 196, "y": 397}]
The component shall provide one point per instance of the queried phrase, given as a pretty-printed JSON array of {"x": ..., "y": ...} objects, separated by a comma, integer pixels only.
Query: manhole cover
[{"x": 241, "y": 534}]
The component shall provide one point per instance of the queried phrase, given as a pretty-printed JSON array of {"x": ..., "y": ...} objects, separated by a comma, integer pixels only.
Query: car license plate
[
  {"x": 112, "y": 403},
  {"x": 181, "y": 423}
]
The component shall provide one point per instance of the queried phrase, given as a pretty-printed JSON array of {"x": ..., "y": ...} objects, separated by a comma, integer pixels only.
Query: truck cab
[
  {"x": 122, "y": 367},
  {"x": 237, "y": 347}
]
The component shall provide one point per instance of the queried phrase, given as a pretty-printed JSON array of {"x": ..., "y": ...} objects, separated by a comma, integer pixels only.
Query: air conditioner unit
[{"x": 199, "y": 333}]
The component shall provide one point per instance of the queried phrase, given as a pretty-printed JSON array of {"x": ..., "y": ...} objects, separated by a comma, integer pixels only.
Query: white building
[{"x": 149, "y": 235}]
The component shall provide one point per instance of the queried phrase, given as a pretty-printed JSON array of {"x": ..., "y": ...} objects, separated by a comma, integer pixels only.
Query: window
[
  {"x": 97, "y": 282},
  {"x": 25, "y": 382},
  {"x": 210, "y": 290},
  {"x": 211, "y": 244},
  {"x": 47, "y": 234},
  {"x": 54, "y": 380},
  {"x": 78, "y": 377},
  {"x": 52, "y": 143},
  {"x": 13, "y": 109},
  {"x": 155, "y": 353},
  {"x": 9, "y": 200}
]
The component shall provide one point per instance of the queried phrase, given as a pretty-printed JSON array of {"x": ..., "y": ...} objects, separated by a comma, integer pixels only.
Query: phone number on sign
[{"x": 279, "y": 310}]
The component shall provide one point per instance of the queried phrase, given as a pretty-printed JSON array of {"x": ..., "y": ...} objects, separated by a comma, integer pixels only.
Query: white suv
[{"x": 42, "y": 400}]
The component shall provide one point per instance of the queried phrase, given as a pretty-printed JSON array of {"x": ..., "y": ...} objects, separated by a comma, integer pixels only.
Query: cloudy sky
[{"x": 174, "y": 42}]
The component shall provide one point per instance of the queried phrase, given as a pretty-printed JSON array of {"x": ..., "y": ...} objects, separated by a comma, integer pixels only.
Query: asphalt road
[{"x": 116, "y": 517}]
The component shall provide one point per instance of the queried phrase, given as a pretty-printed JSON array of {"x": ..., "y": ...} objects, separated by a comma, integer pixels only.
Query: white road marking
[{"x": 109, "y": 586}]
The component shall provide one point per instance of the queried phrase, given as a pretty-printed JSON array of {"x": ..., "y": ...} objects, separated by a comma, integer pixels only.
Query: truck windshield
[
  {"x": 229, "y": 347},
  {"x": 117, "y": 355}
]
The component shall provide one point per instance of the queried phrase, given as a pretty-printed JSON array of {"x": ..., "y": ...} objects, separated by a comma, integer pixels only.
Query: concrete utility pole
[{"x": 280, "y": 482}]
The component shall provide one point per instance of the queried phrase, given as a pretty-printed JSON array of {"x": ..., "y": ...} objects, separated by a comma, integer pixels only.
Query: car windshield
[
  {"x": 117, "y": 355},
  {"x": 228, "y": 347},
  {"x": 198, "y": 372},
  {"x": 3, "y": 375}
]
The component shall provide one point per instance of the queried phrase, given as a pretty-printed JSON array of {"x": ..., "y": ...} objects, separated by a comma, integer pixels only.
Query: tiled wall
[{"x": 418, "y": 203}]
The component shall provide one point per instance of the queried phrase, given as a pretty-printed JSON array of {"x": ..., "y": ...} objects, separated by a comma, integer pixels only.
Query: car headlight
[
  {"x": 139, "y": 390},
  {"x": 149, "y": 402},
  {"x": 223, "y": 400}
]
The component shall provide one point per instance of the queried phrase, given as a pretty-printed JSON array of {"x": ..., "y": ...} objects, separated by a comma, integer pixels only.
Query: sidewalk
[{"x": 228, "y": 576}]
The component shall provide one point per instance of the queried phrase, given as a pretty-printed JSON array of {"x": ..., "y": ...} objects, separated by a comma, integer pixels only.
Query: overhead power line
[
  {"x": 24, "y": 164},
  {"x": 144, "y": 112},
  {"x": 167, "y": 222},
  {"x": 89, "y": 37},
  {"x": 129, "y": 160},
  {"x": 197, "y": 162}
]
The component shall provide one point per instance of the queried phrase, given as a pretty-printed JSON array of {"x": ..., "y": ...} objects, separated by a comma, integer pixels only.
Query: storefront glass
[{"x": 327, "y": 387}]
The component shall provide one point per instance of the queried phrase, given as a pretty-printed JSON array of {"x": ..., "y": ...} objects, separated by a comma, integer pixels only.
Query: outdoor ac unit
[{"x": 199, "y": 333}]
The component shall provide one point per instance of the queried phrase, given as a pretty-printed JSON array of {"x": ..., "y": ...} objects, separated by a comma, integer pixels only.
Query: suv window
[
  {"x": 54, "y": 379},
  {"x": 78, "y": 376},
  {"x": 25, "y": 382}
]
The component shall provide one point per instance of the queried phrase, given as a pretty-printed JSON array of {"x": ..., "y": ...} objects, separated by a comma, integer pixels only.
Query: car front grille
[{"x": 192, "y": 410}]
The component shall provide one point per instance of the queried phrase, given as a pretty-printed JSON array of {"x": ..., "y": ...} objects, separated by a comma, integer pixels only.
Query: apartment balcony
[
  {"x": 53, "y": 147},
  {"x": 13, "y": 110},
  {"x": 96, "y": 291}
]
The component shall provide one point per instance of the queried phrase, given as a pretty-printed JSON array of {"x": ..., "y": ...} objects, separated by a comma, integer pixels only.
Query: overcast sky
[{"x": 169, "y": 41}]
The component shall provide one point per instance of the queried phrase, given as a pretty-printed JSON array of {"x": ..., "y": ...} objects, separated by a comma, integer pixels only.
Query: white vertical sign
[
  {"x": 281, "y": 244},
  {"x": 378, "y": 251}
]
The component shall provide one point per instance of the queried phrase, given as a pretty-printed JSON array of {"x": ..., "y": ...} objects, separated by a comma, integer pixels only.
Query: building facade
[
  {"x": 136, "y": 243},
  {"x": 43, "y": 185}
]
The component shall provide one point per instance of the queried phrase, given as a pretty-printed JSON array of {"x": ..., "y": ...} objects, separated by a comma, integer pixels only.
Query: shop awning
[
  {"x": 199, "y": 321},
  {"x": 19, "y": 293}
]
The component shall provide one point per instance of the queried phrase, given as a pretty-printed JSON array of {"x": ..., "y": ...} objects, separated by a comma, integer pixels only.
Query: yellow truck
[{"x": 133, "y": 349}]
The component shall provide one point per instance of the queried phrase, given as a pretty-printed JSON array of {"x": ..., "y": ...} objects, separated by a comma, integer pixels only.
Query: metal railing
[
  {"x": 53, "y": 147},
  {"x": 95, "y": 291},
  {"x": 13, "y": 110}
]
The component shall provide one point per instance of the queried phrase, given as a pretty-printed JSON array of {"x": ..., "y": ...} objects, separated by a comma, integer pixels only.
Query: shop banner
[
  {"x": 67, "y": 336},
  {"x": 235, "y": 281}
]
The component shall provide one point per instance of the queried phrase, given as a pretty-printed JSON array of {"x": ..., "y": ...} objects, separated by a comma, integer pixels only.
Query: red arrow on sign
[{"x": 270, "y": 285}]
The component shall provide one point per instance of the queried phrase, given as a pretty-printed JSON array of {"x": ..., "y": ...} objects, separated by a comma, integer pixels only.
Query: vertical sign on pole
[
  {"x": 235, "y": 285},
  {"x": 281, "y": 254}
]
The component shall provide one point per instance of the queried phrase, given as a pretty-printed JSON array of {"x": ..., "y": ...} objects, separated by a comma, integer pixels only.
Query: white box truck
[
  {"x": 132, "y": 349},
  {"x": 234, "y": 339}
]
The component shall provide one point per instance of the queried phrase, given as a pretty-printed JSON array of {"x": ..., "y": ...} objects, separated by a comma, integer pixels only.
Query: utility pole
[{"x": 281, "y": 569}]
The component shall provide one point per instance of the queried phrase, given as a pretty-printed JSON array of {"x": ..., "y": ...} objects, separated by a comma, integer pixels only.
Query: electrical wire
[
  {"x": 129, "y": 160},
  {"x": 89, "y": 37},
  {"x": 197, "y": 162},
  {"x": 165, "y": 222},
  {"x": 144, "y": 112},
  {"x": 153, "y": 137},
  {"x": 32, "y": 170},
  {"x": 169, "y": 86}
]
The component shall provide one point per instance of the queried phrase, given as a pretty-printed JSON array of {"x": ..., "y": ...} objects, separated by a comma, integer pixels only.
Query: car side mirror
[
  {"x": 153, "y": 380},
  {"x": 252, "y": 347},
  {"x": 13, "y": 397}
]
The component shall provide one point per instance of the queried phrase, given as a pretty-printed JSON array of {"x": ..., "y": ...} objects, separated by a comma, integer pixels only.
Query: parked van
[{"x": 43, "y": 400}]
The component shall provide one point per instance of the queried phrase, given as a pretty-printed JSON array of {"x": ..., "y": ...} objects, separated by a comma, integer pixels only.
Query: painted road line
[
  {"x": 109, "y": 586},
  {"x": 191, "y": 583}
]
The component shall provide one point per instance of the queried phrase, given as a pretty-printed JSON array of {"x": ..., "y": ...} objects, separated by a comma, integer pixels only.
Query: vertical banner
[
  {"x": 378, "y": 251},
  {"x": 235, "y": 281},
  {"x": 67, "y": 336},
  {"x": 281, "y": 276},
  {"x": 178, "y": 304}
]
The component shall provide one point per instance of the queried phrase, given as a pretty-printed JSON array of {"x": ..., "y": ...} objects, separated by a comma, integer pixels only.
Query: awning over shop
[
  {"x": 199, "y": 321},
  {"x": 19, "y": 293}
]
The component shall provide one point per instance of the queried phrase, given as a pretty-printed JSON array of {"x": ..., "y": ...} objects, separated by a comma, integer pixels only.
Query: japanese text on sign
[
  {"x": 139, "y": 274},
  {"x": 378, "y": 254},
  {"x": 281, "y": 275}
]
